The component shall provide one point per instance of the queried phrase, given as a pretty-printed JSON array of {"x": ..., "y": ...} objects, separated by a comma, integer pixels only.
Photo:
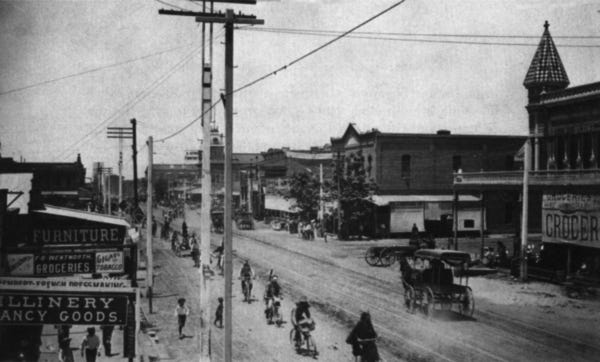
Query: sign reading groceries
[
  {"x": 65, "y": 263},
  {"x": 571, "y": 218}
]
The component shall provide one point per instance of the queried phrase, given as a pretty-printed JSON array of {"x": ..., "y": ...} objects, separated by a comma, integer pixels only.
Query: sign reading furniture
[{"x": 571, "y": 219}]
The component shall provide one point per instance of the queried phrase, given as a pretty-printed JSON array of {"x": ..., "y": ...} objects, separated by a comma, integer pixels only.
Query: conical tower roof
[{"x": 546, "y": 68}]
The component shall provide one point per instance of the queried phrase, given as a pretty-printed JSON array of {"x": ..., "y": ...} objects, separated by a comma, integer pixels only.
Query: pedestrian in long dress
[
  {"x": 362, "y": 338},
  {"x": 182, "y": 311},
  {"x": 219, "y": 314},
  {"x": 107, "y": 331}
]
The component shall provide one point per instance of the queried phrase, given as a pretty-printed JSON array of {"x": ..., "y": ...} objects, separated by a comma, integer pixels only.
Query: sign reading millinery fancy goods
[
  {"x": 64, "y": 301},
  {"x": 44, "y": 308},
  {"x": 571, "y": 218},
  {"x": 65, "y": 263}
]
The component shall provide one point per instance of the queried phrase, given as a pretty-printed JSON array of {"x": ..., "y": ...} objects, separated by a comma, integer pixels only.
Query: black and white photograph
[{"x": 299, "y": 180}]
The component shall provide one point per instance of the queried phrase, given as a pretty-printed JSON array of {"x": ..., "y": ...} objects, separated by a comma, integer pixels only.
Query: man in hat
[{"x": 90, "y": 345}]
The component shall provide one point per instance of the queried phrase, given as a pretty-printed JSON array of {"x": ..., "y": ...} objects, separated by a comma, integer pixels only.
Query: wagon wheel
[
  {"x": 409, "y": 298},
  {"x": 371, "y": 256},
  {"x": 428, "y": 303},
  {"x": 467, "y": 303},
  {"x": 387, "y": 257}
]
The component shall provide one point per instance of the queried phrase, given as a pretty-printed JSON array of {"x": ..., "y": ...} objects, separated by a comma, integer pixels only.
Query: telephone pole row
[{"x": 229, "y": 18}]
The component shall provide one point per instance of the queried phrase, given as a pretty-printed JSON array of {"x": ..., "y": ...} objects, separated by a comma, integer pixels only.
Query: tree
[
  {"x": 304, "y": 188},
  {"x": 351, "y": 185}
]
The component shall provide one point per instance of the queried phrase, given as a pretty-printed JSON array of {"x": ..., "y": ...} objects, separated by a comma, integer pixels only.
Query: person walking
[
  {"x": 195, "y": 245},
  {"x": 362, "y": 338},
  {"x": 219, "y": 314},
  {"x": 181, "y": 311},
  {"x": 154, "y": 226},
  {"x": 107, "y": 331},
  {"x": 90, "y": 347}
]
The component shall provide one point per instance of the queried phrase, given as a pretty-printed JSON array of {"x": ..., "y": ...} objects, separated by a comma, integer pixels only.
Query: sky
[{"x": 139, "y": 64}]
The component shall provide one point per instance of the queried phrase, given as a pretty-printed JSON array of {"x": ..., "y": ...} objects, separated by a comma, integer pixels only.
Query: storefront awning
[
  {"x": 83, "y": 215},
  {"x": 279, "y": 203},
  {"x": 384, "y": 200}
]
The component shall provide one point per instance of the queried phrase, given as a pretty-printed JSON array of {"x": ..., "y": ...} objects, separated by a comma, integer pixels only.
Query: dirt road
[{"x": 339, "y": 285}]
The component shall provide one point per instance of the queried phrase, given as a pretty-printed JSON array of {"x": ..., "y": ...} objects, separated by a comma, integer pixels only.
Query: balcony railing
[{"x": 584, "y": 177}]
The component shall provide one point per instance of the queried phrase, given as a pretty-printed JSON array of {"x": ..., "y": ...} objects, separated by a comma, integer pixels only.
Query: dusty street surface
[{"x": 512, "y": 321}]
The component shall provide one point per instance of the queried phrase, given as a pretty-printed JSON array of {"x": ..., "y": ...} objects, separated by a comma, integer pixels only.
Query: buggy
[{"x": 430, "y": 281}]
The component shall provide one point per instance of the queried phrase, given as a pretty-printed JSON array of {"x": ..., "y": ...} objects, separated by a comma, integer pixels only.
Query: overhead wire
[
  {"x": 295, "y": 61},
  {"x": 438, "y": 41},
  {"x": 93, "y": 70},
  {"x": 135, "y": 100},
  {"x": 436, "y": 35}
]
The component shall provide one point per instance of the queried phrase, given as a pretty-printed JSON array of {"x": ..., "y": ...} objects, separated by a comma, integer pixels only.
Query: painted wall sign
[
  {"x": 42, "y": 308},
  {"x": 66, "y": 284},
  {"x": 571, "y": 218},
  {"x": 66, "y": 263},
  {"x": 70, "y": 236},
  {"x": 109, "y": 262},
  {"x": 20, "y": 264}
]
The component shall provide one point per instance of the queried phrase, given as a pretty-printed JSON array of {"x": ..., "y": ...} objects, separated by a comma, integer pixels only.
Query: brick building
[
  {"x": 564, "y": 184},
  {"x": 414, "y": 174},
  {"x": 55, "y": 183}
]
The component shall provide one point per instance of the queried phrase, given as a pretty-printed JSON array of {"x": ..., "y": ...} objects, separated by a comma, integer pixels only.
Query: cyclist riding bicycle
[
  {"x": 301, "y": 320},
  {"x": 246, "y": 275},
  {"x": 273, "y": 291}
]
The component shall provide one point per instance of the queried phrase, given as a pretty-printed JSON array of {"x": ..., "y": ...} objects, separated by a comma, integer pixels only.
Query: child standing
[
  {"x": 181, "y": 312},
  {"x": 219, "y": 314}
]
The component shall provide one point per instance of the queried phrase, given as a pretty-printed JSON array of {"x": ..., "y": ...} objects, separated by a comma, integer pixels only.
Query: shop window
[
  {"x": 468, "y": 223},
  {"x": 405, "y": 167},
  {"x": 456, "y": 163}
]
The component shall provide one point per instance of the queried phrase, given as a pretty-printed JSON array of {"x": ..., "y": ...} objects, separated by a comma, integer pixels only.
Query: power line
[
  {"x": 247, "y": 85},
  {"x": 171, "y": 5},
  {"x": 438, "y": 41},
  {"x": 114, "y": 65},
  {"x": 138, "y": 98},
  {"x": 437, "y": 35},
  {"x": 326, "y": 44}
]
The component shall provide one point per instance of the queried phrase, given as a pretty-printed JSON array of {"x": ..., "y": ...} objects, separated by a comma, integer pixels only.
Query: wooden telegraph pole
[
  {"x": 229, "y": 19},
  {"x": 525, "y": 209},
  {"x": 149, "y": 255}
]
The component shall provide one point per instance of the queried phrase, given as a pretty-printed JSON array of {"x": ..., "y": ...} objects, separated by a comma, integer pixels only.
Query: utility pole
[
  {"x": 229, "y": 19},
  {"x": 122, "y": 133},
  {"x": 149, "y": 255},
  {"x": 321, "y": 201},
  {"x": 135, "y": 177},
  {"x": 525, "y": 208}
]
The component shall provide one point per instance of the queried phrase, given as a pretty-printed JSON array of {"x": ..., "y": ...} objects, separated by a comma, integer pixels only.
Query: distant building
[
  {"x": 564, "y": 184},
  {"x": 414, "y": 174},
  {"x": 55, "y": 183},
  {"x": 274, "y": 171},
  {"x": 172, "y": 180}
]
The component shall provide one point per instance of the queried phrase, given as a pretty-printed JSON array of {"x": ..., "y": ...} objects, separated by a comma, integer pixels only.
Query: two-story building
[
  {"x": 414, "y": 175},
  {"x": 564, "y": 181}
]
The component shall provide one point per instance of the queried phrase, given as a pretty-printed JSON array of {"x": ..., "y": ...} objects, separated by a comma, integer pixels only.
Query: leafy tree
[
  {"x": 304, "y": 188},
  {"x": 352, "y": 186}
]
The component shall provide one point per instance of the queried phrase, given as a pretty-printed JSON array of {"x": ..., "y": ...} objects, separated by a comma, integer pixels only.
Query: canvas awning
[
  {"x": 384, "y": 200},
  {"x": 83, "y": 215},
  {"x": 279, "y": 203}
]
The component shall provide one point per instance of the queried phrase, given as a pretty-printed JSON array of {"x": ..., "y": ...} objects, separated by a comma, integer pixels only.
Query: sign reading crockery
[
  {"x": 64, "y": 301},
  {"x": 65, "y": 263},
  {"x": 571, "y": 218}
]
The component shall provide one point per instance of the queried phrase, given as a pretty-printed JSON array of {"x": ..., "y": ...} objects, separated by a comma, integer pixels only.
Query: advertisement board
[
  {"x": 107, "y": 285},
  {"x": 571, "y": 218},
  {"x": 21, "y": 307},
  {"x": 65, "y": 263}
]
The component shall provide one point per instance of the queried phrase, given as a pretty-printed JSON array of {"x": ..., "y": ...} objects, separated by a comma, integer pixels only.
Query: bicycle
[
  {"x": 273, "y": 311},
  {"x": 247, "y": 288},
  {"x": 300, "y": 337}
]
